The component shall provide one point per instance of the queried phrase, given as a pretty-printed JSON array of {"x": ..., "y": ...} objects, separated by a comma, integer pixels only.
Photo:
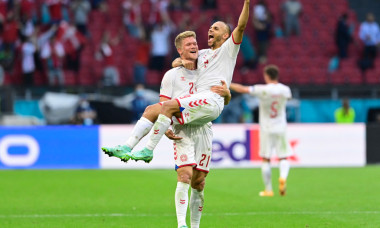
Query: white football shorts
[
  {"x": 277, "y": 142},
  {"x": 195, "y": 147},
  {"x": 199, "y": 109}
]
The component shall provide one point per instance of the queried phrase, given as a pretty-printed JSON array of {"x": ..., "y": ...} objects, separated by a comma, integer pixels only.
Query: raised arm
[
  {"x": 239, "y": 88},
  {"x": 242, "y": 23}
]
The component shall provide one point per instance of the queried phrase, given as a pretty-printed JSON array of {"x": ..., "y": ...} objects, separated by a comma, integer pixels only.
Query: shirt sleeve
[
  {"x": 288, "y": 93},
  {"x": 167, "y": 85},
  {"x": 232, "y": 47},
  {"x": 257, "y": 90}
]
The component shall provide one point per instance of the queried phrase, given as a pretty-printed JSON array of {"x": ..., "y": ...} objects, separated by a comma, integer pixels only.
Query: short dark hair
[
  {"x": 272, "y": 71},
  {"x": 228, "y": 28}
]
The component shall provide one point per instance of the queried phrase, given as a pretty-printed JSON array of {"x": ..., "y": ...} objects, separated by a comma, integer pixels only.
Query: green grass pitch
[{"x": 317, "y": 197}]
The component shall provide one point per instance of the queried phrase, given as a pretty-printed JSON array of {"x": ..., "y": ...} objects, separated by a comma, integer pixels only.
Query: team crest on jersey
[{"x": 183, "y": 157}]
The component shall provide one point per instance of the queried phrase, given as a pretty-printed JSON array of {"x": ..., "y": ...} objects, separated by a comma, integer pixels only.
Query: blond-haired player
[
  {"x": 214, "y": 65},
  {"x": 193, "y": 142},
  {"x": 273, "y": 97}
]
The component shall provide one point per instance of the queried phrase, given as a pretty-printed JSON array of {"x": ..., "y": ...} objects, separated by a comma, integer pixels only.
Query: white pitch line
[{"x": 204, "y": 214}]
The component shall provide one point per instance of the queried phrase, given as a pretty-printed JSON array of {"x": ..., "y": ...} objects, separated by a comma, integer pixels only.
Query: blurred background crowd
[{"x": 102, "y": 61}]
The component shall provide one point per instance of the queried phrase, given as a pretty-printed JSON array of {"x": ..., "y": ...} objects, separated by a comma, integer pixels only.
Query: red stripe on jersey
[
  {"x": 180, "y": 120},
  {"x": 234, "y": 40},
  {"x": 165, "y": 97},
  {"x": 187, "y": 165},
  {"x": 206, "y": 171}
]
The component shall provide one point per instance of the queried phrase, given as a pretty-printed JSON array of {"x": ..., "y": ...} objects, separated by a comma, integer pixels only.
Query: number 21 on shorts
[{"x": 204, "y": 156}]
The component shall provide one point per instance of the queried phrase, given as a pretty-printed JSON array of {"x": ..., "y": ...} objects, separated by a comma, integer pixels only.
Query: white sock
[
  {"x": 141, "y": 128},
  {"x": 267, "y": 175},
  {"x": 196, "y": 207},
  {"x": 159, "y": 128},
  {"x": 284, "y": 168},
  {"x": 181, "y": 202}
]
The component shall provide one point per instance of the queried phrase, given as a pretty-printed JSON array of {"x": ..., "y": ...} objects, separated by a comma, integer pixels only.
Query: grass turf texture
[{"x": 323, "y": 197}]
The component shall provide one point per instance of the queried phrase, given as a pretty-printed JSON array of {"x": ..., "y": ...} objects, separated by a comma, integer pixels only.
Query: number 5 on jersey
[{"x": 274, "y": 109}]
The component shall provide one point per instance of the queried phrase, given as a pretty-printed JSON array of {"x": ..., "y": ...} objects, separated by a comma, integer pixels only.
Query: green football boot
[
  {"x": 120, "y": 151},
  {"x": 144, "y": 155}
]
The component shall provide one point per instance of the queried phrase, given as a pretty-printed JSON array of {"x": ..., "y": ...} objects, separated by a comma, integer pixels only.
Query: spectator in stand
[
  {"x": 85, "y": 114},
  {"x": 369, "y": 34},
  {"x": 81, "y": 9},
  {"x": 158, "y": 11},
  {"x": 43, "y": 49},
  {"x": 342, "y": 36},
  {"x": 73, "y": 42},
  {"x": 3, "y": 9},
  {"x": 139, "y": 103},
  {"x": 26, "y": 26},
  {"x": 54, "y": 52},
  {"x": 262, "y": 23},
  {"x": 132, "y": 16},
  {"x": 106, "y": 52},
  {"x": 55, "y": 10},
  {"x": 160, "y": 38},
  {"x": 142, "y": 57},
  {"x": 9, "y": 38},
  {"x": 27, "y": 9},
  {"x": 345, "y": 114},
  {"x": 28, "y": 48},
  {"x": 292, "y": 10}
]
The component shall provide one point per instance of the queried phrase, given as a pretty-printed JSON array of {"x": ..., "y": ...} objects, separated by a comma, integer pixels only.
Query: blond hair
[{"x": 182, "y": 36}]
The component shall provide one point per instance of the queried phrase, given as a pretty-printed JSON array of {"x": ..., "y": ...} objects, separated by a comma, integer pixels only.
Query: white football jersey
[
  {"x": 178, "y": 82},
  {"x": 217, "y": 65},
  {"x": 272, "y": 108}
]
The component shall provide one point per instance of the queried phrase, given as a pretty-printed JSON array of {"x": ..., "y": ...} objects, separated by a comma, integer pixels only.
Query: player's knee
[
  {"x": 266, "y": 160},
  {"x": 198, "y": 184},
  {"x": 169, "y": 107},
  {"x": 184, "y": 177}
]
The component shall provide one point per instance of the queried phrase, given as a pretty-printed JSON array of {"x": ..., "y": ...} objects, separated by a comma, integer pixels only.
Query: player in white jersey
[
  {"x": 192, "y": 153},
  {"x": 200, "y": 108},
  {"x": 214, "y": 65},
  {"x": 272, "y": 118},
  {"x": 193, "y": 148}
]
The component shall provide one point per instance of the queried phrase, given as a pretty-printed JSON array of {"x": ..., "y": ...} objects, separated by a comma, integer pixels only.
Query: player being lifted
[
  {"x": 214, "y": 65},
  {"x": 272, "y": 118}
]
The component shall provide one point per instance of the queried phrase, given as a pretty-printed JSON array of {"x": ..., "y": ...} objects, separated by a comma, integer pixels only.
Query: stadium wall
[{"x": 234, "y": 146}]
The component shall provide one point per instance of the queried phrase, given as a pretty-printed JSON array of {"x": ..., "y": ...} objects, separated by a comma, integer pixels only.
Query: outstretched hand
[{"x": 170, "y": 134}]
